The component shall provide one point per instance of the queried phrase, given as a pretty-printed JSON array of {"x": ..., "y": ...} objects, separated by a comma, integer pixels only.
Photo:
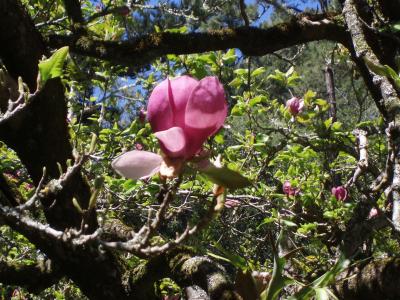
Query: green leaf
[
  {"x": 267, "y": 220},
  {"x": 236, "y": 82},
  {"x": 219, "y": 138},
  {"x": 289, "y": 72},
  {"x": 258, "y": 71},
  {"x": 52, "y": 67},
  {"x": 396, "y": 27},
  {"x": 236, "y": 260},
  {"x": 289, "y": 223},
  {"x": 383, "y": 70},
  {"x": 328, "y": 123},
  {"x": 321, "y": 294},
  {"x": 229, "y": 57},
  {"x": 256, "y": 100},
  {"x": 278, "y": 281},
  {"x": 225, "y": 177},
  {"x": 336, "y": 126},
  {"x": 321, "y": 282}
]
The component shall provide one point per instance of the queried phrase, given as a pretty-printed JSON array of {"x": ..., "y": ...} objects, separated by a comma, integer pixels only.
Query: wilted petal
[
  {"x": 172, "y": 142},
  {"x": 159, "y": 110},
  {"x": 137, "y": 164}
]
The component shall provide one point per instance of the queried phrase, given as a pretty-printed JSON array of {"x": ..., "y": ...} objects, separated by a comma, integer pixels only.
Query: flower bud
[
  {"x": 373, "y": 213},
  {"x": 340, "y": 193},
  {"x": 289, "y": 190},
  {"x": 139, "y": 146},
  {"x": 295, "y": 105},
  {"x": 230, "y": 203}
]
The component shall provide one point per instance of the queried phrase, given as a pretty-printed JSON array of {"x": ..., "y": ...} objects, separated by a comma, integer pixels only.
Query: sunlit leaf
[{"x": 52, "y": 67}]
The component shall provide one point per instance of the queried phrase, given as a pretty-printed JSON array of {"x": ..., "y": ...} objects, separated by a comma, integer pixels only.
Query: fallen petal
[{"x": 137, "y": 164}]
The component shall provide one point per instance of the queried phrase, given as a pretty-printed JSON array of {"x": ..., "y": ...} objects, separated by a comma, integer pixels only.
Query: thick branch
[
  {"x": 34, "y": 277},
  {"x": 382, "y": 90},
  {"x": 74, "y": 12},
  {"x": 379, "y": 279},
  {"x": 250, "y": 40},
  {"x": 187, "y": 271},
  {"x": 22, "y": 44}
]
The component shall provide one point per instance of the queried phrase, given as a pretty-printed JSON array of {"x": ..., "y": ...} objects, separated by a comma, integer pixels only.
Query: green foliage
[
  {"x": 52, "y": 67},
  {"x": 262, "y": 146}
]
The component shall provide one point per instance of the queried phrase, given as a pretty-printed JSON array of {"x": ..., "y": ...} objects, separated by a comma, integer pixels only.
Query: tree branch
[
  {"x": 24, "y": 44},
  {"x": 34, "y": 277},
  {"x": 251, "y": 41},
  {"x": 382, "y": 90},
  {"x": 378, "y": 279}
]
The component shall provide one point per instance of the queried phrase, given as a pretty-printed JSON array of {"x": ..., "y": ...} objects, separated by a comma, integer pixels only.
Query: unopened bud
[{"x": 295, "y": 105}]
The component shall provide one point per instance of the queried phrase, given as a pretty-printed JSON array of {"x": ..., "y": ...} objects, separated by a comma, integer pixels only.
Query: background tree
[{"x": 323, "y": 167}]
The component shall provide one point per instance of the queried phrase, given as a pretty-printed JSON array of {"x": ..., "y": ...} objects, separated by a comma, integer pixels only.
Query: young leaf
[
  {"x": 52, "y": 67},
  {"x": 225, "y": 177}
]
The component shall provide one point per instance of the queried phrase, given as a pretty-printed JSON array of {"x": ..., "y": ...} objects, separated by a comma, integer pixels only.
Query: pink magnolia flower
[
  {"x": 373, "y": 213},
  {"x": 340, "y": 193},
  {"x": 289, "y": 190},
  {"x": 295, "y": 105},
  {"x": 183, "y": 112}
]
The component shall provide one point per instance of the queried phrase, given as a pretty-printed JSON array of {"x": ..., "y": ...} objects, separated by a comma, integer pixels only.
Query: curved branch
[{"x": 251, "y": 41}]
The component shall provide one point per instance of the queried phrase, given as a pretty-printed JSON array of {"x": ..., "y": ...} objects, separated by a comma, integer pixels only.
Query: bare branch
[{"x": 362, "y": 164}]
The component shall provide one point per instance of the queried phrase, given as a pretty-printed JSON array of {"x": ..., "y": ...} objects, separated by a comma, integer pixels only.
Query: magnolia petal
[
  {"x": 207, "y": 107},
  {"x": 159, "y": 110},
  {"x": 172, "y": 142},
  {"x": 137, "y": 164},
  {"x": 180, "y": 90},
  {"x": 206, "y": 111}
]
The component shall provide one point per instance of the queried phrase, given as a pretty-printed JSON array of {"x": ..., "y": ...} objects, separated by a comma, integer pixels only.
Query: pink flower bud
[
  {"x": 340, "y": 193},
  {"x": 289, "y": 190},
  {"x": 373, "y": 213},
  {"x": 229, "y": 203},
  {"x": 139, "y": 146},
  {"x": 295, "y": 105},
  {"x": 183, "y": 112}
]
